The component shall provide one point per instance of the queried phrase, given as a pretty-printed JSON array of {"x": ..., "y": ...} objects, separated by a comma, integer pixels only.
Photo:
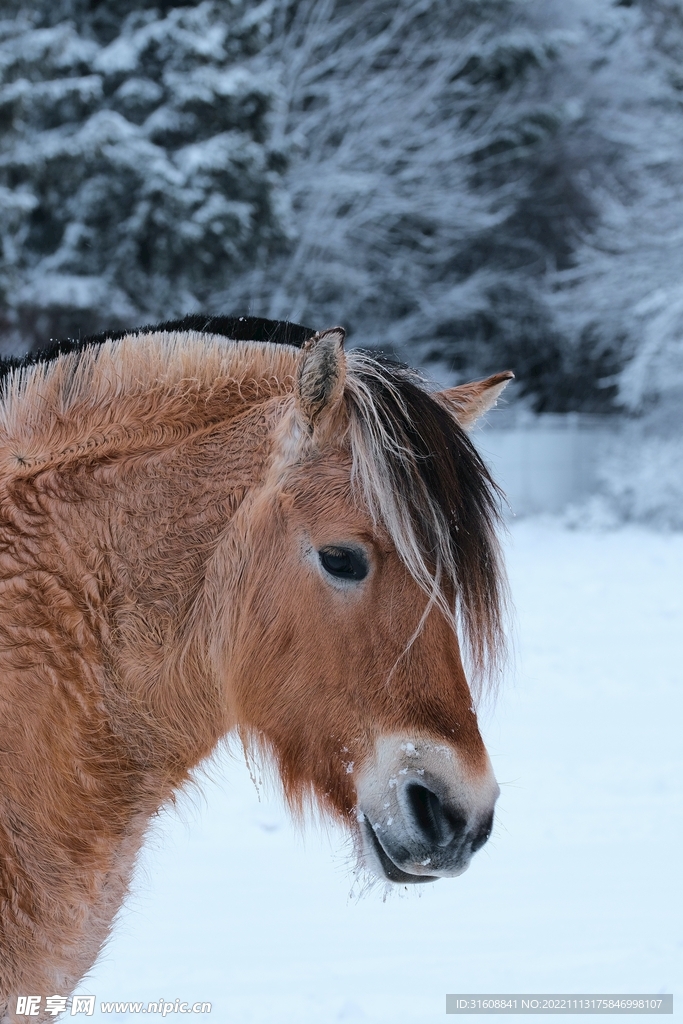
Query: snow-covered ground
[{"x": 577, "y": 891}]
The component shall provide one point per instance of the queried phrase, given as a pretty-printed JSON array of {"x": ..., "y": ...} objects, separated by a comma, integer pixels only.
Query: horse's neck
[
  {"x": 175, "y": 511},
  {"x": 107, "y": 697}
]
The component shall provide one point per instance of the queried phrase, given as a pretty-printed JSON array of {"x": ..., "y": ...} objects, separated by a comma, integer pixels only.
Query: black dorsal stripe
[{"x": 237, "y": 328}]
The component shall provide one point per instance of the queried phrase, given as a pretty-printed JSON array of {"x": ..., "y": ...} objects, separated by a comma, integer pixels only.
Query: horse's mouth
[{"x": 391, "y": 871}]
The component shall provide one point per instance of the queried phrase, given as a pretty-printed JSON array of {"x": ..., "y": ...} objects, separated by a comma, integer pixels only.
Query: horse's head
[{"x": 369, "y": 548}]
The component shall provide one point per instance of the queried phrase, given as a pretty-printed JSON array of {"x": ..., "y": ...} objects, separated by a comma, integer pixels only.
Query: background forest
[{"x": 471, "y": 184}]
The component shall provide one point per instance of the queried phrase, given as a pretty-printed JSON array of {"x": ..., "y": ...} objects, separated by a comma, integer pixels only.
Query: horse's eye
[{"x": 343, "y": 563}]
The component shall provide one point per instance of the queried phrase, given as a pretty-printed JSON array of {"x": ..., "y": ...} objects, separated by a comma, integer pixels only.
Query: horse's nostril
[{"x": 437, "y": 824}]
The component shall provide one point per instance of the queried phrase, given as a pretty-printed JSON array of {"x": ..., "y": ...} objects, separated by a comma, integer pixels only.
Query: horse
[{"x": 232, "y": 526}]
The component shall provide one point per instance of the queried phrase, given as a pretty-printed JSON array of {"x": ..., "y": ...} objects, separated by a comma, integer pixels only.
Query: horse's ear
[
  {"x": 322, "y": 373},
  {"x": 470, "y": 401}
]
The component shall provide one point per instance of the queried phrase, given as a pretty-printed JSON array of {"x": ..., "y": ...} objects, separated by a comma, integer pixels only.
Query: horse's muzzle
[{"x": 422, "y": 814}]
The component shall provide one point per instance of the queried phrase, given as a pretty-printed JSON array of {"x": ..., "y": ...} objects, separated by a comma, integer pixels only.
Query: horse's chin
[{"x": 384, "y": 866}]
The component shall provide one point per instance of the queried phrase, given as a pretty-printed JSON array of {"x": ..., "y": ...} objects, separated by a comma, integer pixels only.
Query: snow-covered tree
[
  {"x": 432, "y": 176},
  {"x": 623, "y": 296},
  {"x": 137, "y": 169}
]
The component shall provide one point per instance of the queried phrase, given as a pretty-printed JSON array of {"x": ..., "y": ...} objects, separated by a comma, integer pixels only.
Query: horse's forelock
[{"x": 422, "y": 477}]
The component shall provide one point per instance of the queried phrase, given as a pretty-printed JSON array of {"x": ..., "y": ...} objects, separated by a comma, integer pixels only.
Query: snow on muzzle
[{"x": 422, "y": 811}]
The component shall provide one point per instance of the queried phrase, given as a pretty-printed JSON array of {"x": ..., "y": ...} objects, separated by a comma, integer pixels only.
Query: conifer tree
[
  {"x": 435, "y": 177},
  {"x": 624, "y": 291},
  {"x": 137, "y": 170}
]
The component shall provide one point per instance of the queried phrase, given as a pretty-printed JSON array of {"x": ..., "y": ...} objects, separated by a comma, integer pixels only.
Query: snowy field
[{"x": 577, "y": 891}]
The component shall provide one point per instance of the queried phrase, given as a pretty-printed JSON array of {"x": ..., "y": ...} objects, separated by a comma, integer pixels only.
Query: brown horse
[{"x": 232, "y": 525}]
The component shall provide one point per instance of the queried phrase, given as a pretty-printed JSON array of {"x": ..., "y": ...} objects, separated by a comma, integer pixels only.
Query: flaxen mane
[
  {"x": 423, "y": 477},
  {"x": 238, "y": 328}
]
